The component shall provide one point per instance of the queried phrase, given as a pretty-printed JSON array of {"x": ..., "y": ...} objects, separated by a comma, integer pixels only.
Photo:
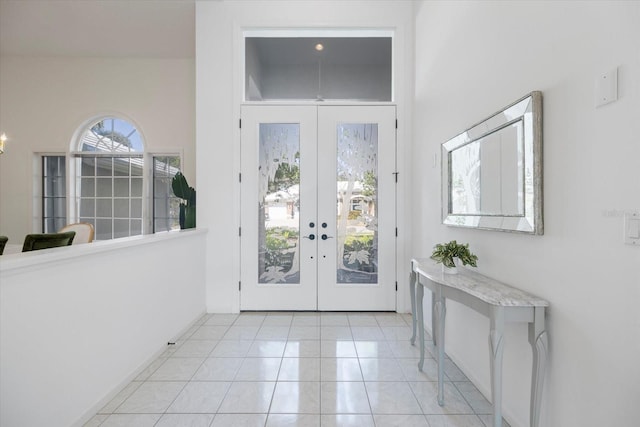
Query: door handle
[
  {"x": 310, "y": 237},
  {"x": 325, "y": 237}
]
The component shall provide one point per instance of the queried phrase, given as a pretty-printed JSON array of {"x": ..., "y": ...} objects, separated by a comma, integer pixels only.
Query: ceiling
[
  {"x": 98, "y": 28},
  {"x": 150, "y": 29}
]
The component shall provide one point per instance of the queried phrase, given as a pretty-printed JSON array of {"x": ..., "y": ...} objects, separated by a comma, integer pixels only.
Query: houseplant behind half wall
[{"x": 187, "y": 208}]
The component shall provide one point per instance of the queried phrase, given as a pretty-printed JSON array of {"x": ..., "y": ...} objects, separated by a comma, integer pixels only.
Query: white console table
[{"x": 496, "y": 300}]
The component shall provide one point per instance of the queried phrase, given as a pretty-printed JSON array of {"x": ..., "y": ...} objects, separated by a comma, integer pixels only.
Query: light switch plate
[
  {"x": 632, "y": 228},
  {"x": 607, "y": 88}
]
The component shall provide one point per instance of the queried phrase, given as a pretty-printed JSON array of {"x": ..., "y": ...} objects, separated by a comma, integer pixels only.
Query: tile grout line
[
  {"x": 395, "y": 355},
  {"x": 191, "y": 378}
]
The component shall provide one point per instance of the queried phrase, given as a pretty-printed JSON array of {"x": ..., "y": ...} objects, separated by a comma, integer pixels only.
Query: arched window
[
  {"x": 109, "y": 181},
  {"x": 116, "y": 184}
]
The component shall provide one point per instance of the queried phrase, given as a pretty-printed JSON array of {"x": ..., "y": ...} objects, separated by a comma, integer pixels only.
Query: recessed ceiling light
[{"x": 319, "y": 47}]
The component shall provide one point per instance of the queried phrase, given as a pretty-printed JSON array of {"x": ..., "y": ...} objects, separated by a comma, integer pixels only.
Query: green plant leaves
[
  {"x": 445, "y": 253},
  {"x": 182, "y": 190}
]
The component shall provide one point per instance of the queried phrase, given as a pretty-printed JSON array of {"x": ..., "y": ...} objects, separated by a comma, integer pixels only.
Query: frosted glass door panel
[
  {"x": 278, "y": 203},
  {"x": 357, "y": 196}
]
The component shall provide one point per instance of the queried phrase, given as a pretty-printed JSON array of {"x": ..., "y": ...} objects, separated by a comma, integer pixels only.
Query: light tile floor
[{"x": 296, "y": 369}]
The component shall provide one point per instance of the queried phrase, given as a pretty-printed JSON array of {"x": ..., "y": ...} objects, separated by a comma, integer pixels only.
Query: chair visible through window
[
  {"x": 84, "y": 232},
  {"x": 34, "y": 242},
  {"x": 3, "y": 242}
]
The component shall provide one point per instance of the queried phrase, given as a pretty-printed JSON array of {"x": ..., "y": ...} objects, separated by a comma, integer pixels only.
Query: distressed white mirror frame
[{"x": 522, "y": 121}]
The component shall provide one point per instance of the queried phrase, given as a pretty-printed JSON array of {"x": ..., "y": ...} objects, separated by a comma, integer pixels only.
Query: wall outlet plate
[
  {"x": 607, "y": 88},
  {"x": 632, "y": 228}
]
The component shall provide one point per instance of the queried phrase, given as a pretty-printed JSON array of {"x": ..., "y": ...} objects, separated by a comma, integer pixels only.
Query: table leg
[
  {"x": 420, "y": 320},
  {"x": 433, "y": 319},
  {"x": 539, "y": 343},
  {"x": 441, "y": 311},
  {"x": 412, "y": 291},
  {"x": 496, "y": 349}
]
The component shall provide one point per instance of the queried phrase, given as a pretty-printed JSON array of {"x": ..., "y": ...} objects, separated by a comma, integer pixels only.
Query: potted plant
[
  {"x": 446, "y": 253},
  {"x": 187, "y": 208}
]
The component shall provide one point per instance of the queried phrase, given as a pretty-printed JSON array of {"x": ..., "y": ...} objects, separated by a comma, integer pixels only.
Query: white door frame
[{"x": 269, "y": 300}]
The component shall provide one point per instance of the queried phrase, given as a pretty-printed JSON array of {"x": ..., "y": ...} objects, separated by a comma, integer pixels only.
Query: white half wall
[
  {"x": 472, "y": 59},
  {"x": 44, "y": 101},
  {"x": 219, "y": 87},
  {"x": 79, "y": 323}
]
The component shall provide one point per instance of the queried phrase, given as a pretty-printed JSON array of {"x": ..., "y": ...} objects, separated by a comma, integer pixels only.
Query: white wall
[
  {"x": 78, "y": 323},
  {"x": 219, "y": 83},
  {"x": 472, "y": 58},
  {"x": 44, "y": 100}
]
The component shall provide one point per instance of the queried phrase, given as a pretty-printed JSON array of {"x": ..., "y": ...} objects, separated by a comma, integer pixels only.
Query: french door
[{"x": 318, "y": 208}]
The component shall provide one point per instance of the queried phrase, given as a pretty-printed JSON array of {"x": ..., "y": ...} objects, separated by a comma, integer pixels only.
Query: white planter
[{"x": 451, "y": 270}]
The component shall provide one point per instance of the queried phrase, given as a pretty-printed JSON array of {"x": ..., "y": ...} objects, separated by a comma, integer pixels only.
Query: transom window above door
[{"x": 331, "y": 65}]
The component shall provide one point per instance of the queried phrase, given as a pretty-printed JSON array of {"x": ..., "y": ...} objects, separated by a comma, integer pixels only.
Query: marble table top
[{"x": 482, "y": 287}]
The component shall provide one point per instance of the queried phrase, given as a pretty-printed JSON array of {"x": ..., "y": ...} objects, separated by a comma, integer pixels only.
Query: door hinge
[
  {"x": 396, "y": 175},
  {"x": 396, "y": 123},
  {"x": 396, "y": 231},
  {"x": 240, "y": 177},
  {"x": 240, "y": 123},
  {"x": 240, "y": 231},
  {"x": 240, "y": 285}
]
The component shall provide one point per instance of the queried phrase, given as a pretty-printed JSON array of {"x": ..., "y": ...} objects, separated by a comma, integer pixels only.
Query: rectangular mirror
[{"x": 492, "y": 172}]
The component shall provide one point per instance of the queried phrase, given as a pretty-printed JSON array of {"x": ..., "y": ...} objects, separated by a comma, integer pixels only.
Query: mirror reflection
[
  {"x": 487, "y": 174},
  {"x": 492, "y": 172}
]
